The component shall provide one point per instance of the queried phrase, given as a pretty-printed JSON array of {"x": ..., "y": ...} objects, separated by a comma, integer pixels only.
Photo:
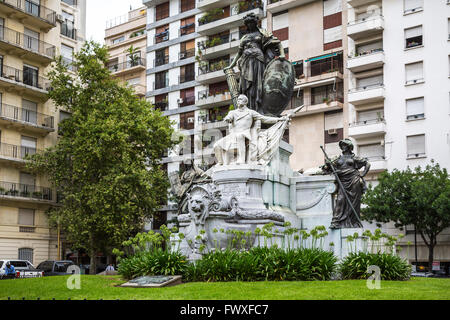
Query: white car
[{"x": 24, "y": 269}]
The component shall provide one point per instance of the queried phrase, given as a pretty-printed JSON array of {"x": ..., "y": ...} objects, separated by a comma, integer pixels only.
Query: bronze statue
[
  {"x": 257, "y": 50},
  {"x": 351, "y": 186}
]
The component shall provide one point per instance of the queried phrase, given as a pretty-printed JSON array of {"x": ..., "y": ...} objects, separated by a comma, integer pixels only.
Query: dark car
[{"x": 55, "y": 268}]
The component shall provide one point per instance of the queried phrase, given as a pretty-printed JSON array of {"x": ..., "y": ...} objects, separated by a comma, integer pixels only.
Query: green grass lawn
[{"x": 104, "y": 287}]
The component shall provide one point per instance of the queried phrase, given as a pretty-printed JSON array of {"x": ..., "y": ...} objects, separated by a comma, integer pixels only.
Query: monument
[{"x": 252, "y": 185}]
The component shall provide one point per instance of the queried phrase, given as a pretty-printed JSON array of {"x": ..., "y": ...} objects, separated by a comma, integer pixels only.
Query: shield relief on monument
[{"x": 278, "y": 86}]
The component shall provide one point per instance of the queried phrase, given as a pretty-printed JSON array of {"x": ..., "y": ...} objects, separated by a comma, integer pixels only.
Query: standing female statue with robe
[
  {"x": 347, "y": 168},
  {"x": 257, "y": 48}
]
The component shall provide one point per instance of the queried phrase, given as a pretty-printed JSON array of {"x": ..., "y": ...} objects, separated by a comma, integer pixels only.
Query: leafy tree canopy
[{"x": 106, "y": 164}]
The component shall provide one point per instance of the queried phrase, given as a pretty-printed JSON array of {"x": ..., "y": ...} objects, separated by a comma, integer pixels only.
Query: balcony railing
[
  {"x": 187, "y": 77},
  {"x": 26, "y": 77},
  {"x": 315, "y": 99},
  {"x": 216, "y": 41},
  {"x": 162, "y": 36},
  {"x": 187, "y": 54},
  {"x": 68, "y": 29},
  {"x": 366, "y": 53},
  {"x": 374, "y": 14},
  {"x": 161, "y": 105},
  {"x": 212, "y": 67},
  {"x": 25, "y": 191},
  {"x": 376, "y": 158},
  {"x": 244, "y": 6},
  {"x": 16, "y": 152},
  {"x": 367, "y": 122},
  {"x": 205, "y": 94},
  {"x": 33, "y": 9},
  {"x": 160, "y": 84},
  {"x": 319, "y": 68},
  {"x": 160, "y": 61},
  {"x": 127, "y": 65},
  {"x": 26, "y": 42},
  {"x": 187, "y": 29},
  {"x": 367, "y": 87},
  {"x": 188, "y": 101},
  {"x": 25, "y": 115}
]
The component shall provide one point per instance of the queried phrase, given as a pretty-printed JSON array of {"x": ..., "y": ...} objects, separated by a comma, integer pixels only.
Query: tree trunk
[
  {"x": 93, "y": 266},
  {"x": 430, "y": 257}
]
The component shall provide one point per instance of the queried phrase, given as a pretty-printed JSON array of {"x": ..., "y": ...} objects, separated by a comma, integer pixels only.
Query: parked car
[
  {"x": 55, "y": 268},
  {"x": 24, "y": 269}
]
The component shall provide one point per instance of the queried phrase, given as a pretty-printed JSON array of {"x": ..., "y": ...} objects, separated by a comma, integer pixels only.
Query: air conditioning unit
[
  {"x": 180, "y": 101},
  {"x": 182, "y": 55},
  {"x": 60, "y": 18},
  {"x": 165, "y": 38},
  {"x": 191, "y": 120},
  {"x": 332, "y": 132}
]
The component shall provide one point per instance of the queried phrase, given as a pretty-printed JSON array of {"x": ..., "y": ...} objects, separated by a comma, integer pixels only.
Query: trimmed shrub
[
  {"x": 392, "y": 267},
  {"x": 262, "y": 263},
  {"x": 155, "y": 262}
]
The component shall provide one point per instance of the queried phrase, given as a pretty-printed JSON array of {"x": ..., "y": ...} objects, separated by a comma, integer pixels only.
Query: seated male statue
[{"x": 244, "y": 125}]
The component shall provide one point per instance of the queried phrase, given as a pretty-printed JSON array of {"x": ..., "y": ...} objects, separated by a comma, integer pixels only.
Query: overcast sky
[{"x": 100, "y": 11}]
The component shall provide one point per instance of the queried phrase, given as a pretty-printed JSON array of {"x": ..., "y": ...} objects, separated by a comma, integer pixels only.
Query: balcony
[
  {"x": 139, "y": 89},
  {"x": 357, "y": 3},
  {"x": 187, "y": 77},
  {"x": 187, "y": 29},
  {"x": 160, "y": 61},
  {"x": 377, "y": 163},
  {"x": 320, "y": 74},
  {"x": 212, "y": 72},
  {"x": 26, "y": 120},
  {"x": 367, "y": 27},
  {"x": 235, "y": 20},
  {"x": 366, "y": 94},
  {"x": 366, "y": 61},
  {"x": 213, "y": 100},
  {"x": 317, "y": 103},
  {"x": 68, "y": 29},
  {"x": 221, "y": 46},
  {"x": 368, "y": 128},
  {"x": 161, "y": 37},
  {"x": 160, "y": 84},
  {"x": 30, "y": 12},
  {"x": 15, "y": 154},
  {"x": 24, "y": 82},
  {"x": 25, "y": 46},
  {"x": 23, "y": 192},
  {"x": 124, "y": 68},
  {"x": 186, "y": 54},
  {"x": 213, "y": 4},
  {"x": 275, "y": 6}
]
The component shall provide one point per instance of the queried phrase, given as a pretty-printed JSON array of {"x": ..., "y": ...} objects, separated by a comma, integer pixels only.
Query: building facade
[
  {"x": 126, "y": 38},
  {"x": 32, "y": 33}
]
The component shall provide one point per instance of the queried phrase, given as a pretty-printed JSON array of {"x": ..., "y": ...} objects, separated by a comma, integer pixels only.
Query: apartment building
[
  {"x": 32, "y": 33},
  {"x": 399, "y": 82},
  {"x": 126, "y": 38}
]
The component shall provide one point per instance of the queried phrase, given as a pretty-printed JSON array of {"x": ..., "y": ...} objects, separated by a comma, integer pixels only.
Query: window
[
  {"x": 161, "y": 57},
  {"x": 414, "y": 72},
  {"x": 162, "y": 34},
  {"x": 448, "y": 29},
  {"x": 118, "y": 40},
  {"x": 31, "y": 39},
  {"x": 29, "y": 111},
  {"x": 413, "y": 5},
  {"x": 368, "y": 48},
  {"x": 134, "y": 81},
  {"x": 373, "y": 151},
  {"x": 30, "y": 75},
  {"x": 162, "y": 11},
  {"x": 415, "y": 146},
  {"x": 68, "y": 26},
  {"x": 370, "y": 116},
  {"x": 413, "y": 37},
  {"x": 187, "y": 26},
  {"x": 187, "y": 49},
  {"x": 28, "y": 146},
  {"x": 415, "y": 109},
  {"x": 67, "y": 55},
  {"x": 187, "y": 5},
  {"x": 370, "y": 82},
  {"x": 188, "y": 97},
  {"x": 70, "y": 2},
  {"x": 32, "y": 7},
  {"x": 26, "y": 254},
  {"x": 161, "y": 80},
  {"x": 187, "y": 73},
  {"x": 26, "y": 218}
]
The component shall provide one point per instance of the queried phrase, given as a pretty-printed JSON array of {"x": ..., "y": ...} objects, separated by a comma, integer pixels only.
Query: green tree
[
  {"x": 412, "y": 197},
  {"x": 106, "y": 164}
]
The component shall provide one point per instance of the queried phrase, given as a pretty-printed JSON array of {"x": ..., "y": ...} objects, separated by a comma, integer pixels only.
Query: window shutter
[
  {"x": 331, "y": 7},
  {"x": 26, "y": 217},
  {"x": 416, "y": 144},
  {"x": 414, "y": 71},
  {"x": 414, "y": 106},
  {"x": 370, "y": 81},
  {"x": 370, "y": 115},
  {"x": 370, "y": 46},
  {"x": 413, "y": 32},
  {"x": 371, "y": 150},
  {"x": 413, "y": 4}
]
